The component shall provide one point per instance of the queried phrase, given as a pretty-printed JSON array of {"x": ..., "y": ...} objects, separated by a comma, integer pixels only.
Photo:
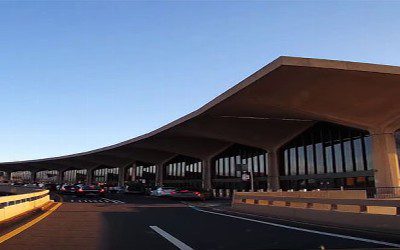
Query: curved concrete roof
[{"x": 264, "y": 110}]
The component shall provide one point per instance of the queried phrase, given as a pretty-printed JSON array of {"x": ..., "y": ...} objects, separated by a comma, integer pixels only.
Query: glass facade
[
  {"x": 47, "y": 176},
  {"x": 3, "y": 176},
  {"x": 75, "y": 176},
  {"x": 327, "y": 150},
  {"x": 227, "y": 175},
  {"x": 145, "y": 173},
  {"x": 183, "y": 171},
  {"x": 21, "y": 176},
  {"x": 106, "y": 175}
]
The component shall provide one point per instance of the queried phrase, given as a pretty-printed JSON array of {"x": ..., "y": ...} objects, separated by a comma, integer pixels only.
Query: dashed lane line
[
  {"x": 342, "y": 236},
  {"x": 114, "y": 201},
  {"x": 102, "y": 200},
  {"x": 179, "y": 244}
]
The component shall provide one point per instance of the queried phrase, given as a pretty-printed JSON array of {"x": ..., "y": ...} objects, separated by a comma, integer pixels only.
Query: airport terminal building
[{"x": 297, "y": 123}]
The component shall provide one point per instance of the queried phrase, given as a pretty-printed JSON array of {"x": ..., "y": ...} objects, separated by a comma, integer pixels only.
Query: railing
[{"x": 383, "y": 192}]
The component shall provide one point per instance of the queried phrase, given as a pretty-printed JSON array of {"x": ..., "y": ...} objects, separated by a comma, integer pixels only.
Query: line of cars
[
  {"x": 182, "y": 193},
  {"x": 188, "y": 193},
  {"x": 82, "y": 190}
]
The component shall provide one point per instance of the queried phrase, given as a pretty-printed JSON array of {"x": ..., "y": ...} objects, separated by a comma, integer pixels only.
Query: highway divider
[{"x": 14, "y": 205}]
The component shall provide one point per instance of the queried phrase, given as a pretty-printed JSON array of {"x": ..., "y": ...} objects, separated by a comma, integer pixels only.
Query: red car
[
  {"x": 191, "y": 194},
  {"x": 86, "y": 190}
]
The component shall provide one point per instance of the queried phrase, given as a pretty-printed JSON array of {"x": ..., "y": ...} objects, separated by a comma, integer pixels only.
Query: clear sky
[{"x": 76, "y": 76}]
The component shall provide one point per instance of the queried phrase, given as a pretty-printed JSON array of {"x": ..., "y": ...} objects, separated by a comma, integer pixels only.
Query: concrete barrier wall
[
  {"x": 374, "y": 222},
  {"x": 323, "y": 194},
  {"x": 356, "y": 212},
  {"x": 341, "y": 205},
  {"x": 14, "y": 205}
]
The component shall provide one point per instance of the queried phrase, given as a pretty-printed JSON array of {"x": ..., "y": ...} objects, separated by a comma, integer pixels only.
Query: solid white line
[
  {"x": 179, "y": 244},
  {"x": 384, "y": 243}
]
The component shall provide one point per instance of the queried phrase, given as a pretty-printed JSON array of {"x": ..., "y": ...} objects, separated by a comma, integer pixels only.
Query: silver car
[{"x": 162, "y": 191}]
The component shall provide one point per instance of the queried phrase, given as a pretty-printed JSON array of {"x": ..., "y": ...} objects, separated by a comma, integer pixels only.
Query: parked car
[
  {"x": 68, "y": 189},
  {"x": 191, "y": 194},
  {"x": 162, "y": 191},
  {"x": 86, "y": 190},
  {"x": 135, "y": 188},
  {"x": 30, "y": 185}
]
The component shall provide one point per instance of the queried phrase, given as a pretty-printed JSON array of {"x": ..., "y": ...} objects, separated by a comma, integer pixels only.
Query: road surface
[{"x": 136, "y": 222}]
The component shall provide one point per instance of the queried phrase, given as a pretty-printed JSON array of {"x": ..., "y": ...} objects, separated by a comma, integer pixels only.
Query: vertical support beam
[
  {"x": 385, "y": 160},
  {"x": 121, "y": 176},
  {"x": 33, "y": 176},
  {"x": 8, "y": 175},
  {"x": 89, "y": 176},
  {"x": 206, "y": 174},
  {"x": 60, "y": 176},
  {"x": 273, "y": 170},
  {"x": 159, "y": 174}
]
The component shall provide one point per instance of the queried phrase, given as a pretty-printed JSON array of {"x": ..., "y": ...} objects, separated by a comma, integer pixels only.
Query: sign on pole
[{"x": 245, "y": 177}]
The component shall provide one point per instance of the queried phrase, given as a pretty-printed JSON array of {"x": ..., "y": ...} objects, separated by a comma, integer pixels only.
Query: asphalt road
[{"x": 136, "y": 222}]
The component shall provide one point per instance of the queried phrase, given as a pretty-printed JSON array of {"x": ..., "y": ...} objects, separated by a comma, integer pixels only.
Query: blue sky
[{"x": 75, "y": 76}]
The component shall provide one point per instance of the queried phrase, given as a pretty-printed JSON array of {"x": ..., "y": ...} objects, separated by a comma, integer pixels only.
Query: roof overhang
[{"x": 265, "y": 110}]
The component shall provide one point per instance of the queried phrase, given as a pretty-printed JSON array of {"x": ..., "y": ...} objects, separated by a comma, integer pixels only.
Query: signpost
[{"x": 246, "y": 174}]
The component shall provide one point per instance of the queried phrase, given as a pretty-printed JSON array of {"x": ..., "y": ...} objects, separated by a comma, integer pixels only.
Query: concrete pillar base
[
  {"x": 206, "y": 174},
  {"x": 121, "y": 176},
  {"x": 273, "y": 171},
  {"x": 159, "y": 174},
  {"x": 89, "y": 176},
  {"x": 33, "y": 176},
  {"x": 385, "y": 160}
]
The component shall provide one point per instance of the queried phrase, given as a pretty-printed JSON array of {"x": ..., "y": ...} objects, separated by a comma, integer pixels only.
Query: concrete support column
[
  {"x": 159, "y": 174},
  {"x": 385, "y": 160},
  {"x": 8, "y": 175},
  {"x": 121, "y": 176},
  {"x": 206, "y": 174},
  {"x": 33, "y": 176},
  {"x": 60, "y": 176},
  {"x": 133, "y": 172},
  {"x": 89, "y": 176},
  {"x": 273, "y": 170}
]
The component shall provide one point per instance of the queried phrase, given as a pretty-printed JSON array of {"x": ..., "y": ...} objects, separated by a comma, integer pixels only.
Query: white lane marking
[
  {"x": 179, "y": 244},
  {"x": 72, "y": 200},
  {"x": 79, "y": 201},
  {"x": 113, "y": 201},
  {"x": 384, "y": 243}
]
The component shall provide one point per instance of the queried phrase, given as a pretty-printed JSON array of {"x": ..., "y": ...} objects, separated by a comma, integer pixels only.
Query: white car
[{"x": 163, "y": 191}]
